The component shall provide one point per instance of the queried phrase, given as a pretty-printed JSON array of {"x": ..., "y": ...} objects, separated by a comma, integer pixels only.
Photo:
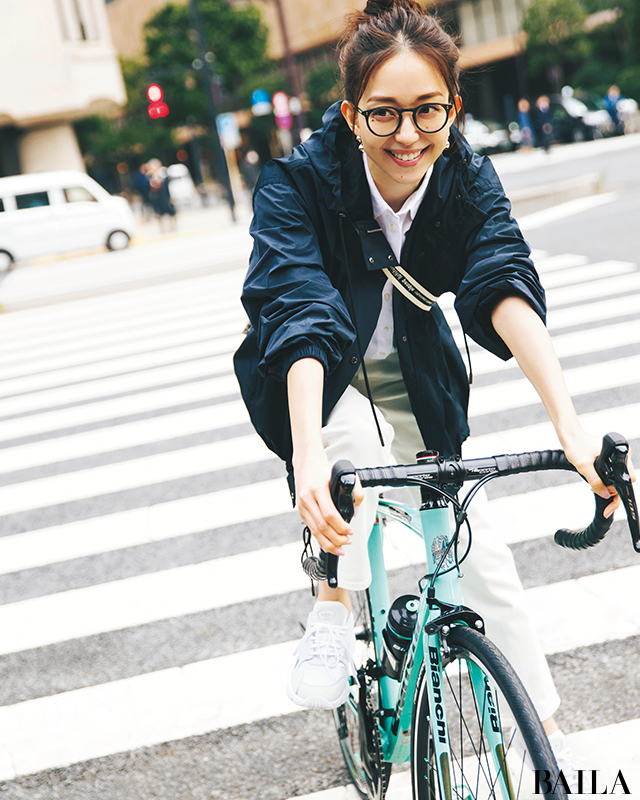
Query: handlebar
[{"x": 435, "y": 470}]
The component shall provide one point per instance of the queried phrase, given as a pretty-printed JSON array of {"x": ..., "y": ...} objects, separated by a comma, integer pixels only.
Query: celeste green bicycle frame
[{"x": 434, "y": 527}]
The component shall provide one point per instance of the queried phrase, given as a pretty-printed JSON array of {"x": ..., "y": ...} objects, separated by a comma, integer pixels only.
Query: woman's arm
[
  {"x": 311, "y": 468},
  {"x": 524, "y": 333}
]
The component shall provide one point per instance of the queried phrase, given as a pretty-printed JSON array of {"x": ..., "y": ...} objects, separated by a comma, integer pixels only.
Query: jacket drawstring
[
  {"x": 466, "y": 347},
  {"x": 355, "y": 325}
]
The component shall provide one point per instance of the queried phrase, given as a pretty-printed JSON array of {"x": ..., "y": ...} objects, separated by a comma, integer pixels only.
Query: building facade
[{"x": 59, "y": 65}]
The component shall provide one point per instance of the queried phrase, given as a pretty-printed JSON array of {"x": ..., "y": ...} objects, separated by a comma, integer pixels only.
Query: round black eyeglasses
[{"x": 386, "y": 120}]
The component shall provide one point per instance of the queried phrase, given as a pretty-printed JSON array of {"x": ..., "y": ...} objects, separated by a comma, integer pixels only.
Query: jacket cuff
[{"x": 304, "y": 351}]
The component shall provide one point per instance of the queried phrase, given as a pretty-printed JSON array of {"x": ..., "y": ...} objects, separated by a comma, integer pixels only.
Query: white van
[{"x": 55, "y": 212}]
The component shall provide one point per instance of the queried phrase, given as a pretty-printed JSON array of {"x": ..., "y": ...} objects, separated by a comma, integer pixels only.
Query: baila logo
[{"x": 587, "y": 783}]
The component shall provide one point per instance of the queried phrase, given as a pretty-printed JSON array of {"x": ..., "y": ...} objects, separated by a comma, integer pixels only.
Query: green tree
[
  {"x": 235, "y": 38},
  {"x": 556, "y": 37},
  {"x": 323, "y": 87}
]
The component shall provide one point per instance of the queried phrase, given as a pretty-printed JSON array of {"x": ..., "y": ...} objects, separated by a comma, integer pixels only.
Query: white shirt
[{"x": 395, "y": 227}]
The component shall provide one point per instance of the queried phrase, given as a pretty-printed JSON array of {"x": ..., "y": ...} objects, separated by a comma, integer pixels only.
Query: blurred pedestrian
[
  {"x": 544, "y": 123},
  {"x": 142, "y": 187},
  {"x": 612, "y": 104},
  {"x": 159, "y": 195},
  {"x": 525, "y": 124},
  {"x": 250, "y": 169}
]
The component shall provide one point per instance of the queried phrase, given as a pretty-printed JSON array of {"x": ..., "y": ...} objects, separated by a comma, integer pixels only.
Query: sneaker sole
[{"x": 317, "y": 701}]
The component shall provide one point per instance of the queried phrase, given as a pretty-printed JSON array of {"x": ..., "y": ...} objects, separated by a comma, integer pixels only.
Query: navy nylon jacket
[{"x": 313, "y": 220}]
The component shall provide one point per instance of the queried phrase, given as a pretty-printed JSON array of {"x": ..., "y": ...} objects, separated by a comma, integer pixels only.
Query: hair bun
[{"x": 378, "y": 8}]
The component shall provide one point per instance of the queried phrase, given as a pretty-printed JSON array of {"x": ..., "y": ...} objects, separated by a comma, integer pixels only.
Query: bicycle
[{"x": 431, "y": 688}]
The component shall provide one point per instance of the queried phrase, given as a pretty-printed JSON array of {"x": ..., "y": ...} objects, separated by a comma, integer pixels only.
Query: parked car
[
  {"x": 578, "y": 119},
  {"x": 56, "y": 212},
  {"x": 487, "y": 137}
]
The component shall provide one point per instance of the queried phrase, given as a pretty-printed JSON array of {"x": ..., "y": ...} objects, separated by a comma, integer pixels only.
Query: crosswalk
[{"x": 150, "y": 588}]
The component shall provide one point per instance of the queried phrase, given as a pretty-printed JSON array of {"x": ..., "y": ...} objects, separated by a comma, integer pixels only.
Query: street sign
[
  {"x": 260, "y": 103},
  {"x": 228, "y": 131},
  {"x": 281, "y": 110}
]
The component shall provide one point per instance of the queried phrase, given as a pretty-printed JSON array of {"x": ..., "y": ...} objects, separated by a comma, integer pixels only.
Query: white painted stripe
[
  {"x": 143, "y": 599},
  {"x": 167, "y": 353},
  {"x": 87, "y": 723},
  {"x": 38, "y": 373},
  {"x": 593, "y": 312},
  {"x": 546, "y": 264},
  {"x": 154, "y": 400},
  {"x": 569, "y": 344},
  {"x": 117, "y": 437},
  {"x": 142, "y": 711},
  {"x": 45, "y": 282},
  {"x": 580, "y": 380},
  {"x": 112, "y": 324},
  {"x": 591, "y": 272},
  {"x": 594, "y": 290},
  {"x": 270, "y": 498},
  {"x": 109, "y": 309},
  {"x": 139, "y": 526},
  {"x": 133, "y": 474},
  {"x": 548, "y": 216},
  {"x": 625, "y": 419},
  {"x": 57, "y": 343},
  {"x": 200, "y": 366}
]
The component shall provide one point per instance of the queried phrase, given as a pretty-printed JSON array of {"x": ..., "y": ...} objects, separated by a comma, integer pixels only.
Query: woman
[{"x": 389, "y": 181}]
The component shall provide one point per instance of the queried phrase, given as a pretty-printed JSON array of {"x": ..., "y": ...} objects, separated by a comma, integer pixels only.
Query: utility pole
[
  {"x": 292, "y": 69},
  {"x": 206, "y": 77}
]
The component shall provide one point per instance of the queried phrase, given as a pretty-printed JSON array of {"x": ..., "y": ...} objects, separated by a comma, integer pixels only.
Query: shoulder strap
[{"x": 410, "y": 287}]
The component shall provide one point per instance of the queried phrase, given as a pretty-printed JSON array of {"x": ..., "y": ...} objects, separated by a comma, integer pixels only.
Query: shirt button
[
  {"x": 383, "y": 354},
  {"x": 386, "y": 330},
  {"x": 394, "y": 228},
  {"x": 387, "y": 297},
  {"x": 404, "y": 338}
]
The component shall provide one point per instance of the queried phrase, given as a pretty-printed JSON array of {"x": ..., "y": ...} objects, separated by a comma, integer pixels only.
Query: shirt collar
[{"x": 410, "y": 205}]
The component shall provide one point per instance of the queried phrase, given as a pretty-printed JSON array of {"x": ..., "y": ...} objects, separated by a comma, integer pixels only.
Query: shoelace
[{"x": 325, "y": 643}]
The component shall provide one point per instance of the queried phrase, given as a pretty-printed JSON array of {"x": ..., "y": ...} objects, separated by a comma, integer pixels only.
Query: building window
[
  {"x": 64, "y": 28},
  {"x": 499, "y": 15},
  {"x": 32, "y": 200}
]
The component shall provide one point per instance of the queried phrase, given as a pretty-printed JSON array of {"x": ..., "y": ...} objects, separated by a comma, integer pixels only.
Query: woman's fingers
[{"x": 325, "y": 522}]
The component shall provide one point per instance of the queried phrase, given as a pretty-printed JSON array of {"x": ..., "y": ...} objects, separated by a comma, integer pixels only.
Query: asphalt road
[{"x": 150, "y": 592}]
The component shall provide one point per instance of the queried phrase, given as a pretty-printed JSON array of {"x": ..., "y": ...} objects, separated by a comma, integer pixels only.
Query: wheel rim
[{"x": 118, "y": 240}]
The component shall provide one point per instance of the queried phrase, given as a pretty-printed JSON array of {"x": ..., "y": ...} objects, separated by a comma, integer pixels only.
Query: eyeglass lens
[{"x": 428, "y": 118}]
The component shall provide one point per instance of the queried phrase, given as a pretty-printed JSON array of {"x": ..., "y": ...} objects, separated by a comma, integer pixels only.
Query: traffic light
[{"x": 157, "y": 108}]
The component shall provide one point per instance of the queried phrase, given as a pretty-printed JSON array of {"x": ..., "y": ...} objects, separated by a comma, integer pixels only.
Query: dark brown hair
[{"x": 386, "y": 28}]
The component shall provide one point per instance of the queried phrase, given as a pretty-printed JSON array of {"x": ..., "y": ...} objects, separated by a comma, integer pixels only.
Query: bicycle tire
[
  {"x": 358, "y": 734},
  {"x": 474, "y": 773}
]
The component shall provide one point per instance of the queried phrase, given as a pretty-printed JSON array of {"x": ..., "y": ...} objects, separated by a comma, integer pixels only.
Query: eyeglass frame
[{"x": 401, "y": 111}]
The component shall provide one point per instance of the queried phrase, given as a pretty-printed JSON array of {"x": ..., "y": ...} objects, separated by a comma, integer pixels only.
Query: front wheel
[
  {"x": 357, "y": 727},
  {"x": 504, "y": 766}
]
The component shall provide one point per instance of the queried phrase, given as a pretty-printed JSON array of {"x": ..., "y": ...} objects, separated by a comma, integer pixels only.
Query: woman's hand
[
  {"x": 315, "y": 506},
  {"x": 582, "y": 449}
]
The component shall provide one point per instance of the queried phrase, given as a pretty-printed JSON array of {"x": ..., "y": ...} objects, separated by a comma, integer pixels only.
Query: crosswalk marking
[
  {"x": 116, "y": 437},
  {"x": 100, "y": 410},
  {"x": 83, "y": 353}
]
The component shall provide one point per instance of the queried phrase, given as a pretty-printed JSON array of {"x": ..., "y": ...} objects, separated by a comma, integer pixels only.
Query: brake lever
[
  {"x": 341, "y": 485},
  {"x": 612, "y": 467}
]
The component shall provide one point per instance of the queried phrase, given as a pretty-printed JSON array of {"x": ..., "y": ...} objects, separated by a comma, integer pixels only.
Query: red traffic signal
[{"x": 156, "y": 107}]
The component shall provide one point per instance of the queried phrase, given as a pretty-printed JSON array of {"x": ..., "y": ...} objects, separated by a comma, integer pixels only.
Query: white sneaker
[
  {"x": 566, "y": 760},
  {"x": 320, "y": 677}
]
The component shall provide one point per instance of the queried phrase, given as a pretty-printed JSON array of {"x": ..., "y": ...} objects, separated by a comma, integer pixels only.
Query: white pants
[{"x": 490, "y": 584}]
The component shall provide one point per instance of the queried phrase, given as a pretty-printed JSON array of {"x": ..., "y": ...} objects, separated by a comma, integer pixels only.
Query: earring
[
  {"x": 447, "y": 145},
  {"x": 360, "y": 145}
]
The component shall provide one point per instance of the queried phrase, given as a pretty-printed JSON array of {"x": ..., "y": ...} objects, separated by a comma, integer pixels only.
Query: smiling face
[{"x": 399, "y": 162}]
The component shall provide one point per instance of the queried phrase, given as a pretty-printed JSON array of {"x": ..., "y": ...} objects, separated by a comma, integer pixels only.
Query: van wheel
[
  {"x": 6, "y": 261},
  {"x": 118, "y": 240}
]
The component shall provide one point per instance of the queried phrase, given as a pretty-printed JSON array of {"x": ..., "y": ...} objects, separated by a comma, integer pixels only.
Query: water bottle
[{"x": 398, "y": 633}]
